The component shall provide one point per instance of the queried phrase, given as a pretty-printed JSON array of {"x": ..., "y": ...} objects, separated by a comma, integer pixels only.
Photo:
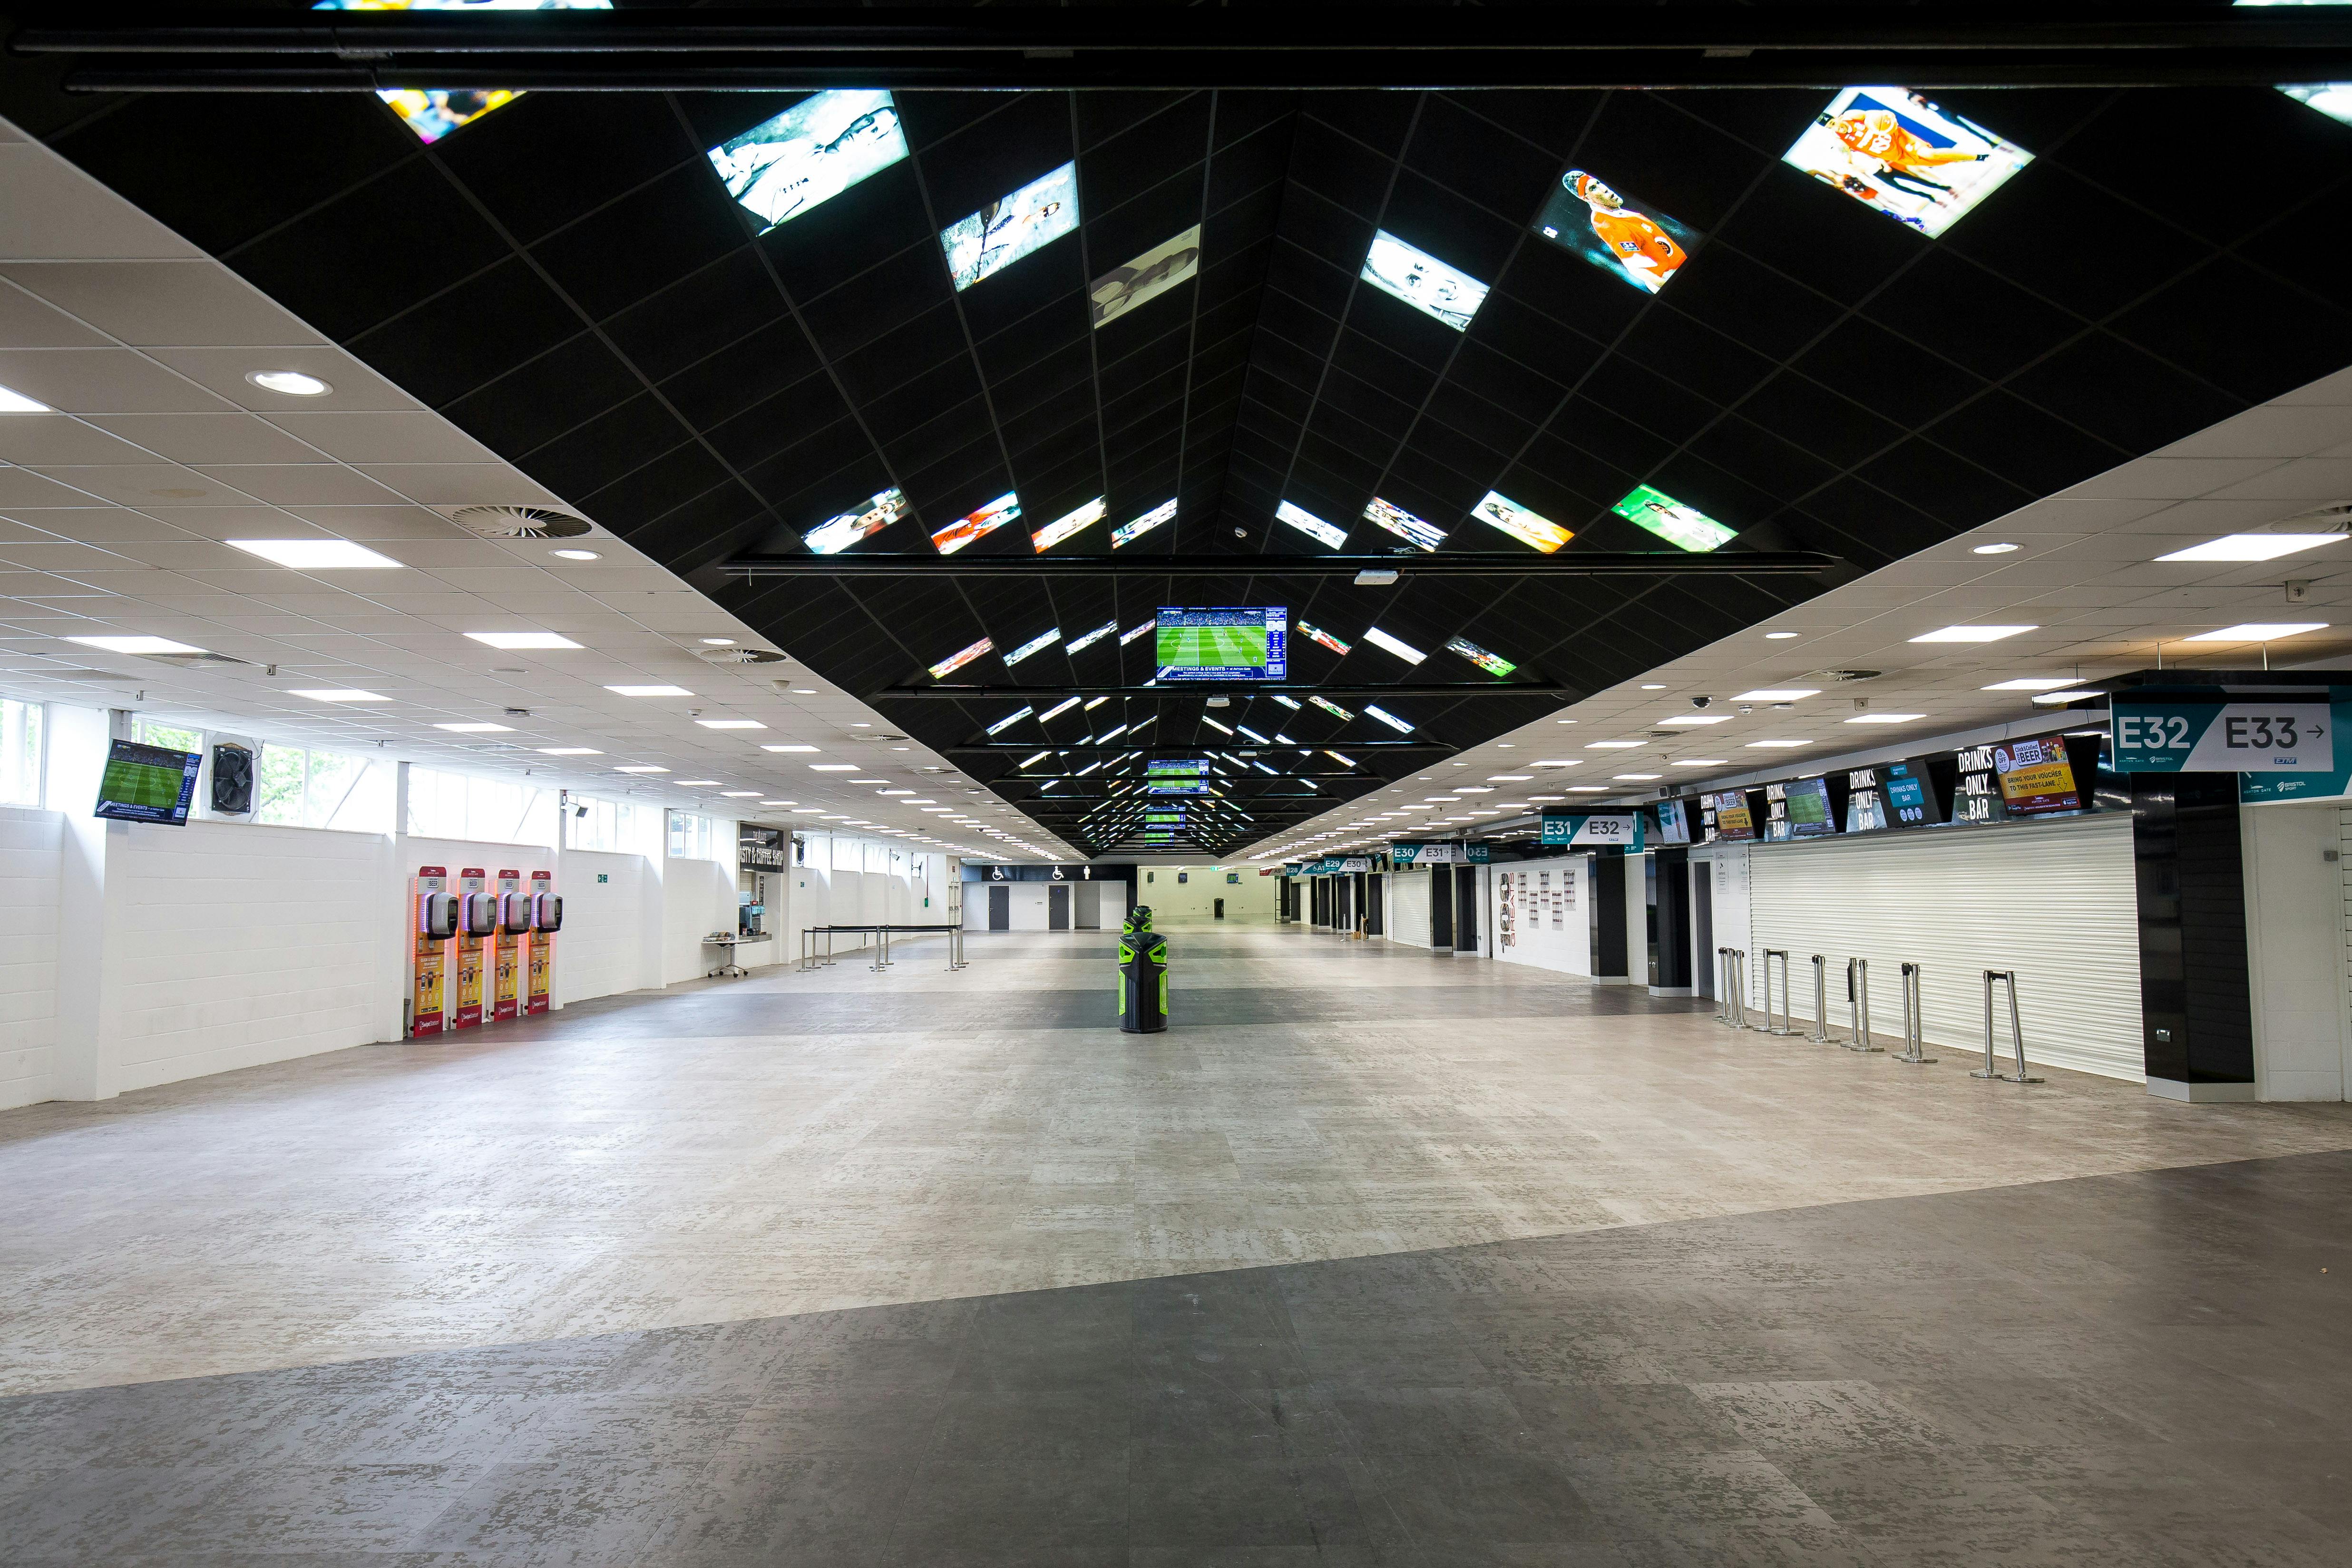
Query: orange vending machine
[
  {"x": 433, "y": 920},
  {"x": 546, "y": 920},
  {"x": 477, "y": 918},
  {"x": 511, "y": 940}
]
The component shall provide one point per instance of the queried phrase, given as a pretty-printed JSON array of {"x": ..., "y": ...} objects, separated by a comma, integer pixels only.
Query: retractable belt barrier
[
  {"x": 818, "y": 954},
  {"x": 1787, "y": 1025},
  {"x": 2016, "y": 1031},
  {"x": 1822, "y": 1034},
  {"x": 1857, "y": 995},
  {"x": 1734, "y": 988},
  {"x": 1912, "y": 1024}
]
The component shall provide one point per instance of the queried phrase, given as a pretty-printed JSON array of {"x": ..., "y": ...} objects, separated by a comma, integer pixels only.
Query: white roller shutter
[
  {"x": 1409, "y": 908},
  {"x": 2053, "y": 900}
]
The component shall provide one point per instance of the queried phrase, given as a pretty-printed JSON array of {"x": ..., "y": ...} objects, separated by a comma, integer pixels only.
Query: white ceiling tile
[
  {"x": 384, "y": 436},
  {"x": 102, "y": 381},
  {"x": 2311, "y": 479},
  {"x": 49, "y": 209},
  {"x": 163, "y": 303},
  {"x": 29, "y": 323},
  {"x": 44, "y": 438},
  {"x": 380, "y": 526},
  {"x": 139, "y": 484},
  {"x": 2173, "y": 477},
  {"x": 2270, "y": 431},
  {"x": 355, "y": 386},
  {"x": 300, "y": 484},
  {"x": 22, "y": 487},
  {"x": 209, "y": 437}
]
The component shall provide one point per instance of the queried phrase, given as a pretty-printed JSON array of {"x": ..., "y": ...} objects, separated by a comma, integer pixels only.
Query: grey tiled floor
[{"x": 1582, "y": 1280}]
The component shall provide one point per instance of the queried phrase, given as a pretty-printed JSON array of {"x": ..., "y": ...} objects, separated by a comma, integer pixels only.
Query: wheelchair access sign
[{"x": 2224, "y": 734}]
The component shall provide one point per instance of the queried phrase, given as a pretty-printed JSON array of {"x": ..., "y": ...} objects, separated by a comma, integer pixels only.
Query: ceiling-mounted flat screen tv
[
  {"x": 1234, "y": 644},
  {"x": 147, "y": 784}
]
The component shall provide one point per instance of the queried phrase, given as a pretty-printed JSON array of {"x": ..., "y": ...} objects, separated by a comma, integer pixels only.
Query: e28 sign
[{"x": 2223, "y": 737}]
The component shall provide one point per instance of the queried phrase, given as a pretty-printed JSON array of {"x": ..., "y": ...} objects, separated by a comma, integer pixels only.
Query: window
[
  {"x": 20, "y": 753},
  {"x": 488, "y": 810},
  {"x": 175, "y": 737},
  {"x": 295, "y": 788},
  {"x": 617, "y": 827},
  {"x": 691, "y": 837}
]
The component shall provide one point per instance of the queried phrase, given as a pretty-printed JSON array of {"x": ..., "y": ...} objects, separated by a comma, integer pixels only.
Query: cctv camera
[{"x": 1702, "y": 702}]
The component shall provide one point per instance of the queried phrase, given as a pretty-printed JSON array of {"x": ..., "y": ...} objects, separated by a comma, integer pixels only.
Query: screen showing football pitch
[{"x": 1224, "y": 645}]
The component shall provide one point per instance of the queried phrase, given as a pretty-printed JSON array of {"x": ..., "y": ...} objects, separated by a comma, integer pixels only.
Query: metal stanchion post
[
  {"x": 1722, "y": 987},
  {"x": 2016, "y": 1031},
  {"x": 1822, "y": 1034},
  {"x": 1787, "y": 1024},
  {"x": 1857, "y": 995},
  {"x": 1914, "y": 1021}
]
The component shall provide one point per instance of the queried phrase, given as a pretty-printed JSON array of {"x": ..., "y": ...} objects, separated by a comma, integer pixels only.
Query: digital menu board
[
  {"x": 1733, "y": 820},
  {"x": 1891, "y": 795},
  {"x": 2036, "y": 779}
]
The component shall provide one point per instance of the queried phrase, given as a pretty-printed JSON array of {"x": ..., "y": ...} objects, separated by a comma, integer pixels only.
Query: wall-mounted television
[
  {"x": 1891, "y": 795},
  {"x": 1733, "y": 820},
  {"x": 148, "y": 784},
  {"x": 2037, "y": 780},
  {"x": 1673, "y": 822},
  {"x": 1223, "y": 644},
  {"x": 1800, "y": 810}
]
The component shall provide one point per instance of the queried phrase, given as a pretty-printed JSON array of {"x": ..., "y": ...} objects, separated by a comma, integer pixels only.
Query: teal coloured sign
[
  {"x": 1622, "y": 828},
  {"x": 2223, "y": 733},
  {"x": 2316, "y": 784},
  {"x": 1476, "y": 855}
]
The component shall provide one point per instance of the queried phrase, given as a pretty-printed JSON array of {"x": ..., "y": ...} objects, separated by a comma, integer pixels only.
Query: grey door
[
  {"x": 1000, "y": 909},
  {"x": 1702, "y": 886},
  {"x": 1465, "y": 909},
  {"x": 1058, "y": 907},
  {"x": 1089, "y": 917}
]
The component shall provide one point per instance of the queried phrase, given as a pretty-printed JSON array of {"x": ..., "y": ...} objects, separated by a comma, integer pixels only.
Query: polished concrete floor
[{"x": 1377, "y": 1257}]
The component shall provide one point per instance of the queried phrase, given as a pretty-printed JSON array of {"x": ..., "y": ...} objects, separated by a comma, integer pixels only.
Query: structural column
[{"x": 2188, "y": 864}]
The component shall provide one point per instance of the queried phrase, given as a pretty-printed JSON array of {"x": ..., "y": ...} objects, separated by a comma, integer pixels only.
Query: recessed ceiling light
[
  {"x": 135, "y": 644},
  {"x": 1508, "y": 778},
  {"x": 1778, "y": 636},
  {"x": 293, "y": 383},
  {"x": 2259, "y": 631},
  {"x": 834, "y": 767},
  {"x": 641, "y": 767},
  {"x": 17, "y": 403},
  {"x": 695, "y": 783},
  {"x": 340, "y": 695},
  {"x": 649, "y": 691},
  {"x": 1653, "y": 686},
  {"x": 315, "y": 555},
  {"x": 793, "y": 747},
  {"x": 1635, "y": 777},
  {"x": 2003, "y": 548},
  {"x": 1701, "y": 761},
  {"x": 1778, "y": 694},
  {"x": 1884, "y": 718},
  {"x": 803, "y": 691},
  {"x": 515, "y": 641},
  {"x": 568, "y": 751},
  {"x": 2072, "y": 696},
  {"x": 1587, "y": 789},
  {"x": 730, "y": 724},
  {"x": 2028, "y": 683},
  {"x": 575, "y": 555},
  {"x": 1689, "y": 719},
  {"x": 1775, "y": 745},
  {"x": 861, "y": 724},
  {"x": 476, "y": 728},
  {"x": 788, "y": 802},
  {"x": 2251, "y": 546},
  {"x": 1971, "y": 633},
  {"x": 718, "y": 641},
  {"x": 1614, "y": 745},
  {"x": 741, "y": 794}
]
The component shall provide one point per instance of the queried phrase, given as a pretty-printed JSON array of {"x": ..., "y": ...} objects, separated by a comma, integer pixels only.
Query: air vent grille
[{"x": 518, "y": 523}]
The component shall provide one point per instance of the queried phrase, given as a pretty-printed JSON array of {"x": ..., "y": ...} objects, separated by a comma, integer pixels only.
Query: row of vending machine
[{"x": 472, "y": 932}]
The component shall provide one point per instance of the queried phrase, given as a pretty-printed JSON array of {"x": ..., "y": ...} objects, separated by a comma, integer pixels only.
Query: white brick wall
[
  {"x": 29, "y": 848},
  {"x": 245, "y": 945}
]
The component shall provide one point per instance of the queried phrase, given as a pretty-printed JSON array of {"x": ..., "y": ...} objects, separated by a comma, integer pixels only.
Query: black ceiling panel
[{"x": 567, "y": 279}]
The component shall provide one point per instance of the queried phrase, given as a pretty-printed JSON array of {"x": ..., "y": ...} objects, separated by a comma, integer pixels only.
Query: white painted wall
[
  {"x": 1551, "y": 903},
  {"x": 32, "y": 844},
  {"x": 1249, "y": 902},
  {"x": 698, "y": 898},
  {"x": 2296, "y": 949}
]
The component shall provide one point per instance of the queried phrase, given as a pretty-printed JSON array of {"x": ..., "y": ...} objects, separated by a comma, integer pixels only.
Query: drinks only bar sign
[{"x": 2178, "y": 733}]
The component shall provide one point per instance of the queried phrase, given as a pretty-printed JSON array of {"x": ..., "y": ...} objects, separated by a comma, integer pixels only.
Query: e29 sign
[{"x": 2223, "y": 738}]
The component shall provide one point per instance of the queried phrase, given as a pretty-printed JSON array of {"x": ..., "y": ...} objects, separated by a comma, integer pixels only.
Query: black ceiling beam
[
  {"x": 1176, "y": 749},
  {"x": 1197, "y": 689},
  {"x": 1609, "y": 47},
  {"x": 1442, "y": 563}
]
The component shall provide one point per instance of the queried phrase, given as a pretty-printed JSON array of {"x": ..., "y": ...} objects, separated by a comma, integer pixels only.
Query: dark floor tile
[{"x": 952, "y": 1506}]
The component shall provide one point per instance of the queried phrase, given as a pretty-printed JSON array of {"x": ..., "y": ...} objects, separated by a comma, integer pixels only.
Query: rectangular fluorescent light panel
[
  {"x": 2029, "y": 684},
  {"x": 523, "y": 641},
  {"x": 832, "y": 767},
  {"x": 17, "y": 403},
  {"x": 1688, "y": 720},
  {"x": 2259, "y": 631},
  {"x": 811, "y": 153},
  {"x": 340, "y": 695},
  {"x": 730, "y": 724},
  {"x": 1010, "y": 227},
  {"x": 1313, "y": 527},
  {"x": 2242, "y": 547},
  {"x": 1778, "y": 694},
  {"x": 1972, "y": 633},
  {"x": 795, "y": 746},
  {"x": 1409, "y": 273},
  {"x": 315, "y": 555},
  {"x": 135, "y": 644},
  {"x": 1010, "y": 719},
  {"x": 1397, "y": 645},
  {"x": 649, "y": 691},
  {"x": 568, "y": 751},
  {"x": 1388, "y": 718},
  {"x": 1884, "y": 718},
  {"x": 476, "y": 728},
  {"x": 649, "y": 768},
  {"x": 1615, "y": 745}
]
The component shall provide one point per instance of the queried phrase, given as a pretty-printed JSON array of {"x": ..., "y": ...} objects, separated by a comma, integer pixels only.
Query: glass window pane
[{"x": 278, "y": 786}]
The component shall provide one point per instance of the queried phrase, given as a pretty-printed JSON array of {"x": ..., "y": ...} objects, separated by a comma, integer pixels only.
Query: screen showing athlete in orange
[
  {"x": 1629, "y": 238},
  {"x": 1891, "y": 149}
]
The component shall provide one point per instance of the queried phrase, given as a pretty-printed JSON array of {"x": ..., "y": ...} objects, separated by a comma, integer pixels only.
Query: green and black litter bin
[{"x": 1142, "y": 976}]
